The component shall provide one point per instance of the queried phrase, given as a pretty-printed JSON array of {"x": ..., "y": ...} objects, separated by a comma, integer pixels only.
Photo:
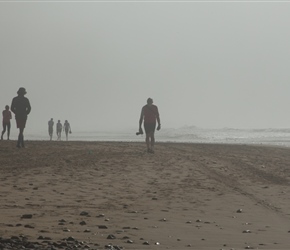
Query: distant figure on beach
[
  {"x": 66, "y": 128},
  {"x": 6, "y": 122},
  {"x": 58, "y": 130},
  {"x": 50, "y": 128},
  {"x": 20, "y": 106},
  {"x": 150, "y": 115}
]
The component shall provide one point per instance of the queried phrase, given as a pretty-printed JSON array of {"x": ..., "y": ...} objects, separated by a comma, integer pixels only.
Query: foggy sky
[{"x": 211, "y": 64}]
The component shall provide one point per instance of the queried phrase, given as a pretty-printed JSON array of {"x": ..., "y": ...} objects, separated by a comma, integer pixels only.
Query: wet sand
[{"x": 115, "y": 195}]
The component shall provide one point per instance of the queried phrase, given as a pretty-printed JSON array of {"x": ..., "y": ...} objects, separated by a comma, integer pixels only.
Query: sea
[{"x": 186, "y": 134}]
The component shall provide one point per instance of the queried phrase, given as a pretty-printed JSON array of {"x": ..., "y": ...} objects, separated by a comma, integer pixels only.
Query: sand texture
[{"x": 114, "y": 195}]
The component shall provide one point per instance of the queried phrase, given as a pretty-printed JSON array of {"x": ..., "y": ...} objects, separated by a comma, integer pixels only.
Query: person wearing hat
[
  {"x": 21, "y": 108},
  {"x": 150, "y": 115},
  {"x": 6, "y": 122}
]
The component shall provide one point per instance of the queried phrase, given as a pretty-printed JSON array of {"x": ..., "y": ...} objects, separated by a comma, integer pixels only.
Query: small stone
[
  {"x": 83, "y": 223},
  {"x": 247, "y": 231},
  {"x": 84, "y": 213},
  {"x": 111, "y": 237},
  {"x": 146, "y": 243},
  {"x": 28, "y": 226},
  {"x": 87, "y": 231},
  {"x": 103, "y": 227},
  {"x": 240, "y": 210},
  {"x": 26, "y": 216},
  {"x": 70, "y": 239},
  {"x": 130, "y": 241},
  {"x": 157, "y": 243}
]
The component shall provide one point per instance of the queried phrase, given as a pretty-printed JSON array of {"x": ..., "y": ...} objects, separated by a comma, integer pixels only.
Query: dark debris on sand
[{"x": 21, "y": 242}]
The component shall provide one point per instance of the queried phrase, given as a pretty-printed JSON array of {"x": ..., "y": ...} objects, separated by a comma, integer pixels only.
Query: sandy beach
[{"x": 113, "y": 195}]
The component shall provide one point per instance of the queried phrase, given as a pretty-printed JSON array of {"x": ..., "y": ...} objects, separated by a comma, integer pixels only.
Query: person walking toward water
[
  {"x": 50, "y": 128},
  {"x": 150, "y": 115},
  {"x": 58, "y": 130},
  {"x": 20, "y": 106},
  {"x": 6, "y": 122},
  {"x": 66, "y": 128}
]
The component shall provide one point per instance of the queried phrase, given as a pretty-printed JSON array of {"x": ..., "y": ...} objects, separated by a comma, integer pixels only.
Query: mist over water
[{"x": 187, "y": 134}]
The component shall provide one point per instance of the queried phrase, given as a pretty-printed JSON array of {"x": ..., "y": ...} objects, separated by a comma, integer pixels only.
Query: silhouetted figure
[
  {"x": 58, "y": 130},
  {"x": 21, "y": 108},
  {"x": 150, "y": 115},
  {"x": 50, "y": 128},
  {"x": 6, "y": 122},
  {"x": 66, "y": 128}
]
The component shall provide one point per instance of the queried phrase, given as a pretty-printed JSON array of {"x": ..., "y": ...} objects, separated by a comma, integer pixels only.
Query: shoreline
[{"x": 185, "y": 196}]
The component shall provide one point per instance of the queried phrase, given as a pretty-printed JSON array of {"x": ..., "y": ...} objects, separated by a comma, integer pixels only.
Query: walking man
[
  {"x": 58, "y": 130},
  {"x": 6, "y": 122},
  {"x": 150, "y": 115},
  {"x": 50, "y": 128},
  {"x": 21, "y": 108},
  {"x": 66, "y": 128}
]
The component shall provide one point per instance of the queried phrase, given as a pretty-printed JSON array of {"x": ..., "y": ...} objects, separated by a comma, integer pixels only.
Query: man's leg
[
  {"x": 20, "y": 142},
  {"x": 148, "y": 142},
  {"x": 8, "y": 130},
  {"x": 4, "y": 130},
  {"x": 152, "y": 142}
]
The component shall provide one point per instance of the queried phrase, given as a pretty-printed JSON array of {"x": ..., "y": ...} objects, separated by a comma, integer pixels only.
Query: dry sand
[{"x": 185, "y": 196}]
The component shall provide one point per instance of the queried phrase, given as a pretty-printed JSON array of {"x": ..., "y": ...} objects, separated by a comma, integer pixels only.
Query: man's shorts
[
  {"x": 20, "y": 123},
  {"x": 149, "y": 127},
  {"x": 6, "y": 124}
]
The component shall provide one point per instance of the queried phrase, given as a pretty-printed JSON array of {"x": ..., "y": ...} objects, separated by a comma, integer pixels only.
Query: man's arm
[
  {"x": 13, "y": 106},
  {"x": 141, "y": 121},
  {"x": 141, "y": 118},
  {"x": 158, "y": 120},
  {"x": 28, "y": 109}
]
